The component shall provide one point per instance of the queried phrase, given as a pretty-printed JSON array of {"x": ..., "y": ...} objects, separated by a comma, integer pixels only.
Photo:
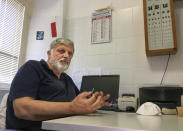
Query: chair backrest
[
  {"x": 3, "y": 91},
  {"x": 3, "y": 111}
]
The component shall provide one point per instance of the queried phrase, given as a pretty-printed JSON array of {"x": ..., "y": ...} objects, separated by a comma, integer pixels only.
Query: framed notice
[
  {"x": 160, "y": 34},
  {"x": 101, "y": 26}
]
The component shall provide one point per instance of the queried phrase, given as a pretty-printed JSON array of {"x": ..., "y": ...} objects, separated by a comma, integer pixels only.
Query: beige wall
[{"x": 125, "y": 55}]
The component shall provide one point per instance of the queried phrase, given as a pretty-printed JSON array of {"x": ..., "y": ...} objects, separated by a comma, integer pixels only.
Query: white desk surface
[{"x": 118, "y": 121}]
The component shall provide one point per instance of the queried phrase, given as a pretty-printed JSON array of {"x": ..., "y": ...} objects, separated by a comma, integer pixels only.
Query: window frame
[{"x": 21, "y": 57}]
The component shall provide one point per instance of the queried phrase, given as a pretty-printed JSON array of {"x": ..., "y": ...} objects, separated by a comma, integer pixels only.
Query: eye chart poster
[
  {"x": 159, "y": 22},
  {"x": 101, "y": 26}
]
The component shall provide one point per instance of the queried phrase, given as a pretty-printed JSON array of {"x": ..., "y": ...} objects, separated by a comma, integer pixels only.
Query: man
[{"x": 41, "y": 91}]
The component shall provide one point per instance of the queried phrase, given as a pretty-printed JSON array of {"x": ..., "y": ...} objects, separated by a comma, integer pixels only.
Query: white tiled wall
[
  {"x": 125, "y": 55},
  {"x": 43, "y": 13}
]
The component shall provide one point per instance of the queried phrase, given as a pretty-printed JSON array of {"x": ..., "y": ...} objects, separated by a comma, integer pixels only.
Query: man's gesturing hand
[{"x": 83, "y": 105}]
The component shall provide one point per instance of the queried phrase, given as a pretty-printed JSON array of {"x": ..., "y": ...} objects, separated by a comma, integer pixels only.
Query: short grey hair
[{"x": 60, "y": 41}]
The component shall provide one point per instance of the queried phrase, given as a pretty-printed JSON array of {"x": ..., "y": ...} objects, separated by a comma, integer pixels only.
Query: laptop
[{"x": 109, "y": 84}]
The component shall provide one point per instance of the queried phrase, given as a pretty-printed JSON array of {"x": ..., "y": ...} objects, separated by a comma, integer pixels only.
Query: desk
[{"x": 115, "y": 121}]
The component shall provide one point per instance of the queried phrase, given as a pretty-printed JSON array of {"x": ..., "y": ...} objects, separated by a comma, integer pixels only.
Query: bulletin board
[
  {"x": 101, "y": 26},
  {"x": 159, "y": 25}
]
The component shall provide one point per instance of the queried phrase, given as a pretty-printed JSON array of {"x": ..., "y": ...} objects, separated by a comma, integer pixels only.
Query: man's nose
[{"x": 66, "y": 54}]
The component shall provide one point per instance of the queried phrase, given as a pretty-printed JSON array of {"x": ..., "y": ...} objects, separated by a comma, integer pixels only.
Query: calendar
[
  {"x": 101, "y": 26},
  {"x": 159, "y": 27}
]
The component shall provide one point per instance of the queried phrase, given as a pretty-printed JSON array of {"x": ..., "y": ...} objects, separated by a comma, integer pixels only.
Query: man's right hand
[
  {"x": 83, "y": 105},
  {"x": 28, "y": 108}
]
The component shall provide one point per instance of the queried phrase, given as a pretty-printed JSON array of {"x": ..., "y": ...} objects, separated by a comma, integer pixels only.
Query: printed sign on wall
[
  {"x": 101, "y": 26},
  {"x": 40, "y": 35}
]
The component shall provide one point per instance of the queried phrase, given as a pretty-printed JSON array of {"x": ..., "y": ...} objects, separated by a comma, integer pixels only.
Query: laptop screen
[{"x": 109, "y": 84}]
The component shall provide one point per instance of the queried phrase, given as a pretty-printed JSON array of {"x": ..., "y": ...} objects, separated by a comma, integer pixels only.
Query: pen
[{"x": 92, "y": 91}]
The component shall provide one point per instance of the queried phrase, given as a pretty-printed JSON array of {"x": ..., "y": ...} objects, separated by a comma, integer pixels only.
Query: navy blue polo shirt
[{"x": 35, "y": 79}]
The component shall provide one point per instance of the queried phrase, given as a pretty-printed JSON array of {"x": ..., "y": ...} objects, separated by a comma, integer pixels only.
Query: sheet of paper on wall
[
  {"x": 78, "y": 74},
  {"x": 39, "y": 35},
  {"x": 101, "y": 26},
  {"x": 53, "y": 29}
]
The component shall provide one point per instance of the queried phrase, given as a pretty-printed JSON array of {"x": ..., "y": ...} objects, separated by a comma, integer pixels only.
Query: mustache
[{"x": 64, "y": 60}]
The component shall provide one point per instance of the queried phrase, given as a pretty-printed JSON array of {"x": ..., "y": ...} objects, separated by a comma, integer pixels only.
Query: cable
[{"x": 165, "y": 70}]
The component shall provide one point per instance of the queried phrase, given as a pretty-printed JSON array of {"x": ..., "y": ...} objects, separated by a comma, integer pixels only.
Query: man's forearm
[
  {"x": 29, "y": 109},
  {"x": 36, "y": 110}
]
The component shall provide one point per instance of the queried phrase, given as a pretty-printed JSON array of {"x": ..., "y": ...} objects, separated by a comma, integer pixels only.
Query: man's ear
[{"x": 49, "y": 53}]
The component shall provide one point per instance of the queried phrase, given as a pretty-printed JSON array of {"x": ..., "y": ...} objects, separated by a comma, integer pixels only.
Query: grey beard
[{"x": 57, "y": 65}]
